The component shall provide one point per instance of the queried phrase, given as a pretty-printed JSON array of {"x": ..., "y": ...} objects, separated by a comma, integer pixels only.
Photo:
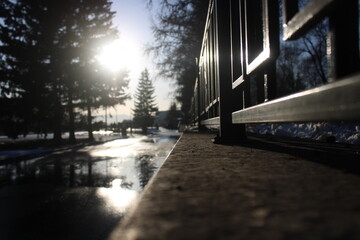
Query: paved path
[
  {"x": 78, "y": 192},
  {"x": 209, "y": 191}
]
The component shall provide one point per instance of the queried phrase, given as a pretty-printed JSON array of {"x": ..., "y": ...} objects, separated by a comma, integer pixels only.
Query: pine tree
[
  {"x": 25, "y": 34},
  {"x": 95, "y": 29},
  {"x": 144, "y": 102},
  {"x": 48, "y": 66}
]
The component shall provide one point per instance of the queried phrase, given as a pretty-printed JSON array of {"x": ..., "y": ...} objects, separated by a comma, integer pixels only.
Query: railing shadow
[{"x": 344, "y": 157}]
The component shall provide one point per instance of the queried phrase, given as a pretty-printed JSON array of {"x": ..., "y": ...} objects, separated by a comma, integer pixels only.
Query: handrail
[{"x": 241, "y": 47}]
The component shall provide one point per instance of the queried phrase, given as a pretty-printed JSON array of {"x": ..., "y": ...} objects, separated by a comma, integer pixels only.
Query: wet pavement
[
  {"x": 78, "y": 194},
  {"x": 262, "y": 189}
]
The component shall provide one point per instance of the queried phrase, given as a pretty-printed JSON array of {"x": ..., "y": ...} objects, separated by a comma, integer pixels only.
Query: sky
[{"x": 133, "y": 20}]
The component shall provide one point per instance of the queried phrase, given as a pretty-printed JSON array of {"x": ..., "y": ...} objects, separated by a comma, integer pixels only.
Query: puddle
[{"x": 80, "y": 187}]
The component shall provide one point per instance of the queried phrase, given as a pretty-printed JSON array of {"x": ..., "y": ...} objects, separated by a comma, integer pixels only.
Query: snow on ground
[
  {"x": 98, "y": 135},
  {"x": 326, "y": 132}
]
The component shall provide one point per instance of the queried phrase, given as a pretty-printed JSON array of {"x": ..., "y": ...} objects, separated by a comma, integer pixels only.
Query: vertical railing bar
[
  {"x": 261, "y": 88},
  {"x": 211, "y": 63},
  {"x": 270, "y": 81},
  {"x": 212, "y": 88},
  {"x": 289, "y": 9},
  {"x": 271, "y": 15},
  {"x": 216, "y": 50},
  {"x": 246, "y": 84},
  {"x": 198, "y": 92},
  {"x": 228, "y": 132},
  {"x": 344, "y": 40},
  {"x": 244, "y": 90}
]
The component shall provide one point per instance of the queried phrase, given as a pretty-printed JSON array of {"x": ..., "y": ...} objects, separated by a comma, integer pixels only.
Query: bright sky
[{"x": 133, "y": 21}]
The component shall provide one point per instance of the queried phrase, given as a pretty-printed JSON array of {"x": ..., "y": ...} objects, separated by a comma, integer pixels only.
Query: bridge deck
[{"x": 209, "y": 191}]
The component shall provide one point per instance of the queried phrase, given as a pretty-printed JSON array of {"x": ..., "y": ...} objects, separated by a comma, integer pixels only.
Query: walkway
[{"x": 209, "y": 191}]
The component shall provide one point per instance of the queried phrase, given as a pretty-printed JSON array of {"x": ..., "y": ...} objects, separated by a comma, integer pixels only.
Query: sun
[{"x": 119, "y": 54}]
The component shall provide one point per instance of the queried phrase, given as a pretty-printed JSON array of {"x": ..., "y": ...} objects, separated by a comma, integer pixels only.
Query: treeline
[{"x": 49, "y": 73}]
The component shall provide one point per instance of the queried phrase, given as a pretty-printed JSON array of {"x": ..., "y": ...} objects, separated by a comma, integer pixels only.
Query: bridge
[{"x": 249, "y": 186}]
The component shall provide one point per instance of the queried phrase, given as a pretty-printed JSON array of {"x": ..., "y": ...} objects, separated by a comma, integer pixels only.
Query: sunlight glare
[
  {"x": 116, "y": 197},
  {"x": 114, "y": 153},
  {"x": 119, "y": 54},
  {"x": 121, "y": 148}
]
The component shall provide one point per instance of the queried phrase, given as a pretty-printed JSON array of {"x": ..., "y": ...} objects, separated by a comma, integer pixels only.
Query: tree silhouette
[
  {"x": 97, "y": 88},
  {"x": 144, "y": 102},
  {"x": 302, "y": 64},
  {"x": 178, "y": 31},
  {"x": 146, "y": 168},
  {"x": 48, "y": 63},
  {"x": 173, "y": 116},
  {"x": 26, "y": 66}
]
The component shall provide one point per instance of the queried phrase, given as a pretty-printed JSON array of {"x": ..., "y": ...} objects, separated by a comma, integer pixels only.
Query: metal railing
[{"x": 241, "y": 47}]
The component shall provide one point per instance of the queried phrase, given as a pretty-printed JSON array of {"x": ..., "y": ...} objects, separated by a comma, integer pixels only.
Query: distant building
[{"x": 168, "y": 119}]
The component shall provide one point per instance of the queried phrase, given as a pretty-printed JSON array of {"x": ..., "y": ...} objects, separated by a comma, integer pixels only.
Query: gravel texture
[{"x": 211, "y": 191}]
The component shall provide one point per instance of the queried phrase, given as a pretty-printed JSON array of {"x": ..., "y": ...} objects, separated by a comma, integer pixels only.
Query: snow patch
[{"x": 325, "y": 132}]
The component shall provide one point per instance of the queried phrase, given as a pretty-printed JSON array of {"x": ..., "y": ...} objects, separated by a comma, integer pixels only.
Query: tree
[
  {"x": 173, "y": 117},
  {"x": 302, "y": 64},
  {"x": 113, "y": 90},
  {"x": 26, "y": 31},
  {"x": 146, "y": 168},
  {"x": 95, "y": 29},
  {"x": 144, "y": 102},
  {"x": 48, "y": 62},
  {"x": 178, "y": 32}
]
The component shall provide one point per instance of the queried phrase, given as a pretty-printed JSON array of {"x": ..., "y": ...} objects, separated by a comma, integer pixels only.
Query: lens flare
[
  {"x": 119, "y": 54},
  {"x": 117, "y": 198}
]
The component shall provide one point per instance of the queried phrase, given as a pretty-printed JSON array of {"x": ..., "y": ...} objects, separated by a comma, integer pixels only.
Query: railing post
[
  {"x": 229, "y": 132},
  {"x": 197, "y": 98},
  {"x": 344, "y": 41}
]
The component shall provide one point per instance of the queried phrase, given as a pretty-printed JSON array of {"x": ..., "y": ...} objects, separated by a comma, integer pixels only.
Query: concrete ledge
[{"x": 209, "y": 191}]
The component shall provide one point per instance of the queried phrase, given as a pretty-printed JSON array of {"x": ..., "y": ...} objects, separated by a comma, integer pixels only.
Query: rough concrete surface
[{"x": 210, "y": 191}]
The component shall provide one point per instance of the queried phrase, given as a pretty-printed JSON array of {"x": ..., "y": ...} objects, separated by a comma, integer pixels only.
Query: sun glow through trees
[{"x": 119, "y": 54}]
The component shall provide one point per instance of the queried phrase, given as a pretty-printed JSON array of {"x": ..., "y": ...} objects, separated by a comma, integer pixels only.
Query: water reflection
[
  {"x": 82, "y": 193},
  {"x": 124, "y": 164},
  {"x": 118, "y": 196},
  {"x": 133, "y": 161},
  {"x": 146, "y": 168}
]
